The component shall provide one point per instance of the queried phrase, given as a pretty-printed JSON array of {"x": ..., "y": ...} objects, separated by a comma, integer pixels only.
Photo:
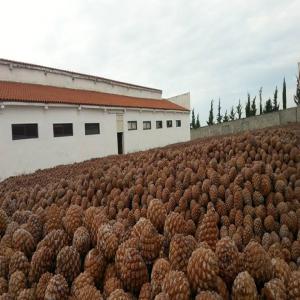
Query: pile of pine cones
[{"x": 210, "y": 219}]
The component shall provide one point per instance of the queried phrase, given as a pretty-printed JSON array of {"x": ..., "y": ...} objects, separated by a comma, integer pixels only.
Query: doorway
[{"x": 120, "y": 142}]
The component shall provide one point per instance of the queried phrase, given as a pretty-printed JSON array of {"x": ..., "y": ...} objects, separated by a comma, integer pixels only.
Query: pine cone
[
  {"x": 146, "y": 292},
  {"x": 23, "y": 241},
  {"x": 35, "y": 227},
  {"x": 3, "y": 285},
  {"x": 228, "y": 257},
  {"x": 208, "y": 231},
  {"x": 257, "y": 262},
  {"x": 176, "y": 285},
  {"x": 119, "y": 295},
  {"x": 208, "y": 295},
  {"x": 181, "y": 248},
  {"x": 4, "y": 266},
  {"x": 94, "y": 264},
  {"x": 274, "y": 289},
  {"x": 42, "y": 261},
  {"x": 244, "y": 287},
  {"x": 110, "y": 285},
  {"x": 89, "y": 292},
  {"x": 17, "y": 283},
  {"x": 295, "y": 250},
  {"x": 3, "y": 222},
  {"x": 174, "y": 223},
  {"x": 73, "y": 219},
  {"x": 57, "y": 288},
  {"x": 42, "y": 285},
  {"x": 202, "y": 269},
  {"x": 107, "y": 241},
  {"x": 80, "y": 281},
  {"x": 281, "y": 270},
  {"x": 19, "y": 262},
  {"x": 68, "y": 263},
  {"x": 81, "y": 240},
  {"x": 157, "y": 214},
  {"x": 160, "y": 268},
  {"x": 293, "y": 285},
  {"x": 27, "y": 294}
]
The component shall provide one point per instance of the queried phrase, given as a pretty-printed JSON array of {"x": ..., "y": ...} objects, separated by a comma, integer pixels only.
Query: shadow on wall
[{"x": 281, "y": 117}]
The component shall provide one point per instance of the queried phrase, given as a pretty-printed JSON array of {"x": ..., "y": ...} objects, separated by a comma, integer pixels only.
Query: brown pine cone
[
  {"x": 80, "y": 281},
  {"x": 119, "y": 295},
  {"x": 3, "y": 285},
  {"x": 42, "y": 261},
  {"x": 208, "y": 295},
  {"x": 269, "y": 223},
  {"x": 228, "y": 258},
  {"x": 265, "y": 185},
  {"x": 73, "y": 219},
  {"x": 213, "y": 193},
  {"x": 274, "y": 289},
  {"x": 208, "y": 231},
  {"x": 146, "y": 292},
  {"x": 257, "y": 262},
  {"x": 55, "y": 240},
  {"x": 19, "y": 262},
  {"x": 244, "y": 287},
  {"x": 57, "y": 288},
  {"x": 4, "y": 266},
  {"x": 98, "y": 220},
  {"x": 258, "y": 227},
  {"x": 68, "y": 263},
  {"x": 81, "y": 240},
  {"x": 42, "y": 285},
  {"x": 110, "y": 285},
  {"x": 94, "y": 264},
  {"x": 202, "y": 269},
  {"x": 293, "y": 285},
  {"x": 281, "y": 270},
  {"x": 157, "y": 214},
  {"x": 174, "y": 223},
  {"x": 17, "y": 282},
  {"x": 107, "y": 241},
  {"x": 88, "y": 292},
  {"x": 23, "y": 241},
  {"x": 176, "y": 285},
  {"x": 162, "y": 296},
  {"x": 181, "y": 248},
  {"x": 34, "y": 226},
  {"x": 295, "y": 250},
  {"x": 133, "y": 270},
  {"x": 27, "y": 294},
  {"x": 160, "y": 268},
  {"x": 3, "y": 222}
]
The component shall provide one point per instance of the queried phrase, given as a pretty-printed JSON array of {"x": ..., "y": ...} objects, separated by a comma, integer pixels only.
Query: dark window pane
[
  {"x": 132, "y": 125},
  {"x": 178, "y": 123},
  {"x": 92, "y": 128},
  {"x": 24, "y": 131},
  {"x": 169, "y": 123},
  {"x": 159, "y": 124},
  {"x": 146, "y": 125},
  {"x": 64, "y": 129}
]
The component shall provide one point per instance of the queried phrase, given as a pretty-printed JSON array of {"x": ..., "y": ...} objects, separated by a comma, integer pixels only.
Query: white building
[{"x": 50, "y": 117}]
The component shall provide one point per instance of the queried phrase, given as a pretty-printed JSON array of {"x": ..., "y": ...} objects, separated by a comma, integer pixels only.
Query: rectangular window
[
  {"x": 63, "y": 129},
  {"x": 24, "y": 131},
  {"x": 132, "y": 125},
  {"x": 146, "y": 125},
  {"x": 178, "y": 123},
  {"x": 92, "y": 128},
  {"x": 158, "y": 124},
  {"x": 169, "y": 123}
]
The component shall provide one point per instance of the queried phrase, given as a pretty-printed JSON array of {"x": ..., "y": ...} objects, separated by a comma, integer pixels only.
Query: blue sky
[{"x": 211, "y": 48}]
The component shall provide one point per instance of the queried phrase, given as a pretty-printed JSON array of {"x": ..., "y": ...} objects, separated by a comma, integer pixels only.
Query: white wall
[
  {"x": 182, "y": 100},
  {"x": 64, "y": 79},
  {"x": 27, "y": 155},
  {"x": 135, "y": 140}
]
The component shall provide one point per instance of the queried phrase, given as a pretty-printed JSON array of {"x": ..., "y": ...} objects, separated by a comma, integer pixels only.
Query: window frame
[
  {"x": 171, "y": 122},
  {"x": 178, "y": 123},
  {"x": 96, "y": 132},
  {"x": 161, "y": 124},
  {"x": 62, "y": 134},
  {"x": 132, "y": 122},
  {"x": 147, "y": 122},
  {"x": 25, "y": 130}
]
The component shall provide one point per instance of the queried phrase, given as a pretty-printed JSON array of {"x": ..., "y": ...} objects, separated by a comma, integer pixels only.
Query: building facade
[{"x": 50, "y": 117}]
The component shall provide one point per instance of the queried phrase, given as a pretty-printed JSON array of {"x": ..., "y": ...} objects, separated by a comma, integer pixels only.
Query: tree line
[{"x": 250, "y": 108}]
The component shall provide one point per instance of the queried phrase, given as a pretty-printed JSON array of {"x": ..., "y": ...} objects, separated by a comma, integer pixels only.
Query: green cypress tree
[
  {"x": 275, "y": 102},
  {"x": 239, "y": 109},
  {"x": 268, "y": 106},
  {"x": 211, "y": 114},
  {"x": 225, "y": 118},
  {"x": 260, "y": 102},
  {"x": 284, "y": 94},
  {"x": 193, "y": 119},
  {"x": 297, "y": 96},
  {"x": 232, "y": 114},
  {"x": 198, "y": 122},
  {"x": 219, "y": 116},
  {"x": 248, "y": 107},
  {"x": 253, "y": 107}
]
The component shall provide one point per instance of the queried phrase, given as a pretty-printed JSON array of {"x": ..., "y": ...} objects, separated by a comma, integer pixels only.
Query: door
[{"x": 120, "y": 142}]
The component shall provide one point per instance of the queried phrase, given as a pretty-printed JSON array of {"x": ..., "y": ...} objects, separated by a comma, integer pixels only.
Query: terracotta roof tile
[{"x": 26, "y": 92}]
